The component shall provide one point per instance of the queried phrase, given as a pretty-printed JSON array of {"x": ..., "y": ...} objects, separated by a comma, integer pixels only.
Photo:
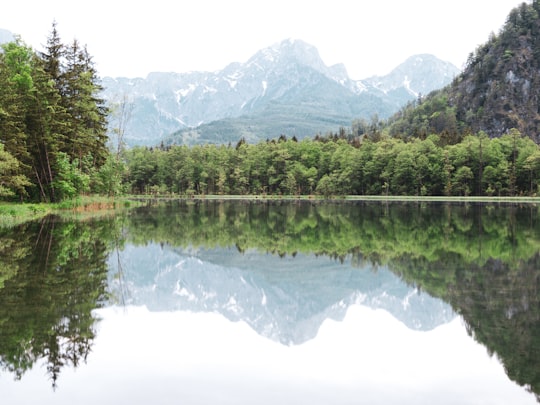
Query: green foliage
[
  {"x": 477, "y": 165},
  {"x": 69, "y": 181},
  {"x": 52, "y": 276},
  {"x": 108, "y": 179},
  {"x": 11, "y": 181},
  {"x": 497, "y": 90},
  {"x": 50, "y": 113},
  {"x": 420, "y": 118}
]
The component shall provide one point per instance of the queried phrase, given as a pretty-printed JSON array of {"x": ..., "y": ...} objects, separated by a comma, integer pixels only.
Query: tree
[
  {"x": 16, "y": 82},
  {"x": 88, "y": 130},
  {"x": 11, "y": 180},
  {"x": 37, "y": 119},
  {"x": 462, "y": 180},
  {"x": 69, "y": 180},
  {"x": 326, "y": 186},
  {"x": 532, "y": 164},
  {"x": 49, "y": 106},
  {"x": 121, "y": 112},
  {"x": 404, "y": 176},
  {"x": 46, "y": 125}
]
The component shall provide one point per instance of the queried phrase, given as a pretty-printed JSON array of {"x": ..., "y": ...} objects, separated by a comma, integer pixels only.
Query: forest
[
  {"x": 59, "y": 140},
  {"x": 338, "y": 165},
  {"x": 53, "y": 125}
]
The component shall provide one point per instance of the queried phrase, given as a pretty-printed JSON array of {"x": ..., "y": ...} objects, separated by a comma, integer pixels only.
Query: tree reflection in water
[
  {"x": 53, "y": 274},
  {"x": 482, "y": 259}
]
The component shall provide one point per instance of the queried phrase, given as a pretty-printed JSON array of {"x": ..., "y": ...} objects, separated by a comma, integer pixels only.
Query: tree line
[
  {"x": 335, "y": 165},
  {"x": 53, "y": 124}
]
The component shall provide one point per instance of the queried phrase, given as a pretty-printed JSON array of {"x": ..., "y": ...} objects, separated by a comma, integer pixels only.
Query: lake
[{"x": 274, "y": 302}]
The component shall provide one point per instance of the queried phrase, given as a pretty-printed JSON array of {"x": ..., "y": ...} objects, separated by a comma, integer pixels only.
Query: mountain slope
[
  {"x": 500, "y": 88},
  {"x": 282, "y": 89},
  {"x": 418, "y": 75},
  {"x": 497, "y": 91},
  {"x": 6, "y": 36}
]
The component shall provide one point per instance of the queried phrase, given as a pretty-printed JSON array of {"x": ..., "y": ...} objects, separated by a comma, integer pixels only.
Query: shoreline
[
  {"x": 12, "y": 214},
  {"x": 349, "y": 198}
]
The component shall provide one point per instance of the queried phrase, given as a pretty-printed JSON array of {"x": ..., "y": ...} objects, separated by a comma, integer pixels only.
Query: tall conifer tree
[{"x": 88, "y": 133}]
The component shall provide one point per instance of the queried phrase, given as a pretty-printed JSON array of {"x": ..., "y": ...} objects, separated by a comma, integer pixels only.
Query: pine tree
[
  {"x": 50, "y": 111},
  {"x": 88, "y": 133},
  {"x": 47, "y": 123},
  {"x": 53, "y": 57}
]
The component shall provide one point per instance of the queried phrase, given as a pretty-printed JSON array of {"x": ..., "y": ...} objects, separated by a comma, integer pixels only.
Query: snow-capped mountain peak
[{"x": 287, "y": 82}]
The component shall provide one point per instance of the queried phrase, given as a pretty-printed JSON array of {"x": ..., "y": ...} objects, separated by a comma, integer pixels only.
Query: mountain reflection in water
[
  {"x": 285, "y": 299},
  {"x": 235, "y": 302}
]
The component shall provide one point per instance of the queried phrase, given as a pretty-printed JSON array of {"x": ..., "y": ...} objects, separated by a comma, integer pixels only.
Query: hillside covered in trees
[{"x": 497, "y": 91}]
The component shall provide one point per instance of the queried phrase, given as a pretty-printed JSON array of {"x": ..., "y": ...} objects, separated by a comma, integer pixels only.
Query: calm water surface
[{"x": 230, "y": 302}]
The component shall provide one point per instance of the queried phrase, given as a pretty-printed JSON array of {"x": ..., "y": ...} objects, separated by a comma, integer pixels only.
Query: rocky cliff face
[{"x": 497, "y": 91}]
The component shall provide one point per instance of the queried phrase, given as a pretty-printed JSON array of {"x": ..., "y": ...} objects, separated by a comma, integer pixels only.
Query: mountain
[
  {"x": 6, "y": 36},
  {"x": 284, "y": 299},
  {"x": 417, "y": 76},
  {"x": 498, "y": 90},
  {"x": 283, "y": 89}
]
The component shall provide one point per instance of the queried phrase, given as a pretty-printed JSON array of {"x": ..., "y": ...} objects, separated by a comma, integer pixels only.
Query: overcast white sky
[{"x": 133, "y": 38}]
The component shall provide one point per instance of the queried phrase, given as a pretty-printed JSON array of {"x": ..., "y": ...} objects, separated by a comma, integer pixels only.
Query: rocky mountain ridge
[{"x": 283, "y": 89}]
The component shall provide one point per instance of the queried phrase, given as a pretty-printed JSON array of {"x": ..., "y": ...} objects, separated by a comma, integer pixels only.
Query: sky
[{"x": 134, "y": 38}]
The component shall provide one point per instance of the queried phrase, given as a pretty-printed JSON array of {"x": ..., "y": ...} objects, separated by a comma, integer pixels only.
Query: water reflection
[
  {"x": 144, "y": 357},
  {"x": 53, "y": 274},
  {"x": 329, "y": 303},
  {"x": 285, "y": 299}
]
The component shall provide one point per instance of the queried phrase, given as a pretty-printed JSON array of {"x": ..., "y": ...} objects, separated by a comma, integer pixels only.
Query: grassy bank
[
  {"x": 85, "y": 206},
  {"x": 12, "y": 213}
]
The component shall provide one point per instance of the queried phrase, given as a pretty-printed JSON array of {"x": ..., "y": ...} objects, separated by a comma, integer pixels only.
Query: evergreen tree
[
  {"x": 34, "y": 119},
  {"x": 88, "y": 132},
  {"x": 47, "y": 123},
  {"x": 53, "y": 57}
]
